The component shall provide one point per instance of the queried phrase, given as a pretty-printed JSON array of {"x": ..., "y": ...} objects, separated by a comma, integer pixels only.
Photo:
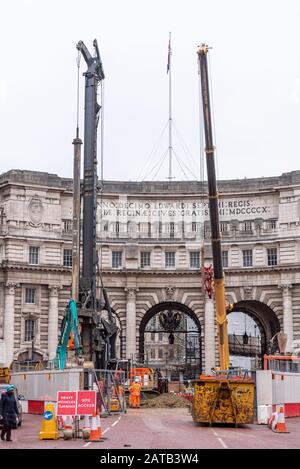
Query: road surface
[{"x": 161, "y": 429}]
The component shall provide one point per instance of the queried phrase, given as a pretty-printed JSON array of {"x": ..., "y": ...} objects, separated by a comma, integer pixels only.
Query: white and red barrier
[{"x": 275, "y": 388}]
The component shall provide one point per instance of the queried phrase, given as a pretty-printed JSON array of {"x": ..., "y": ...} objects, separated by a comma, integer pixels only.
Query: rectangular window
[
  {"x": 160, "y": 353},
  {"x": 153, "y": 336},
  {"x": 149, "y": 230},
  {"x": 152, "y": 354},
  {"x": 145, "y": 259},
  {"x": 160, "y": 336},
  {"x": 160, "y": 228},
  {"x": 225, "y": 259},
  {"x": 116, "y": 259},
  {"x": 194, "y": 226},
  {"x": 271, "y": 224},
  {"x": 224, "y": 226},
  {"x": 247, "y": 226},
  {"x": 172, "y": 229},
  {"x": 29, "y": 330},
  {"x": 33, "y": 255},
  {"x": 272, "y": 256},
  {"x": 170, "y": 259},
  {"x": 195, "y": 259},
  {"x": 117, "y": 229},
  {"x": 67, "y": 224},
  {"x": 67, "y": 257},
  {"x": 30, "y": 295},
  {"x": 247, "y": 258}
]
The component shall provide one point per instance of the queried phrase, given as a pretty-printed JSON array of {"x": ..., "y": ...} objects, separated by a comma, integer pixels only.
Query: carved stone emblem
[
  {"x": 35, "y": 211},
  {"x": 248, "y": 293},
  {"x": 169, "y": 292}
]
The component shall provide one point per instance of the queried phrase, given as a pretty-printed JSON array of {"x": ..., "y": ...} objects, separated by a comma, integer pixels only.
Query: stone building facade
[{"x": 149, "y": 242}]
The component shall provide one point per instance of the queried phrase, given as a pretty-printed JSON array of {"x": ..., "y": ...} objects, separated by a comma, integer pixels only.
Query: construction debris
[{"x": 170, "y": 400}]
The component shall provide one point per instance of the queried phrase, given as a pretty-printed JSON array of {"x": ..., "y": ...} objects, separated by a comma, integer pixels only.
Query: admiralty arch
[{"x": 153, "y": 241}]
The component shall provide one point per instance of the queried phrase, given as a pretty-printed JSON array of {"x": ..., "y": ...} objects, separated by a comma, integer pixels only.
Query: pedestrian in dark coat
[{"x": 9, "y": 412}]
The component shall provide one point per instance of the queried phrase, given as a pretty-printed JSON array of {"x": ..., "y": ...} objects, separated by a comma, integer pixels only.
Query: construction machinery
[
  {"x": 5, "y": 376},
  {"x": 226, "y": 397},
  {"x": 88, "y": 310},
  {"x": 69, "y": 338}
]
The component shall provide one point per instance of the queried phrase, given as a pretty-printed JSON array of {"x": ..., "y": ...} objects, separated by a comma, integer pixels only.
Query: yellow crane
[{"x": 228, "y": 396}]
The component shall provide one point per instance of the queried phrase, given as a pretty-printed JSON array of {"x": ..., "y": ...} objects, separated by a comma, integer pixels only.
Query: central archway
[
  {"x": 178, "y": 352},
  {"x": 251, "y": 337}
]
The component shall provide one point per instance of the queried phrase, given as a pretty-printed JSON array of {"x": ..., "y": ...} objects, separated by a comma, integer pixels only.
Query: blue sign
[{"x": 48, "y": 415}]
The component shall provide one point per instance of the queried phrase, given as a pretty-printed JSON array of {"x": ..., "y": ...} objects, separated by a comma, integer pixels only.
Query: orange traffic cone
[
  {"x": 280, "y": 426},
  {"x": 94, "y": 434}
]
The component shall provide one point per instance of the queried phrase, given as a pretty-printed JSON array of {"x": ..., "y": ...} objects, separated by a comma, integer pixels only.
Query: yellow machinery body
[
  {"x": 5, "y": 375},
  {"x": 114, "y": 405},
  {"x": 223, "y": 400}
]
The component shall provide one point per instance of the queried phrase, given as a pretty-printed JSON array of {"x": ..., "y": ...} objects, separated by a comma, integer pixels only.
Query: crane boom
[{"x": 219, "y": 286}]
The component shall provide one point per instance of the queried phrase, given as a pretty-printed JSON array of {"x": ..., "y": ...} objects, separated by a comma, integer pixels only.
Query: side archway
[{"x": 264, "y": 317}]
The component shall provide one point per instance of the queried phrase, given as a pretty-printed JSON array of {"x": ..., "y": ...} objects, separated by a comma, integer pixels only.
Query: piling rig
[
  {"x": 93, "y": 323},
  {"x": 98, "y": 332}
]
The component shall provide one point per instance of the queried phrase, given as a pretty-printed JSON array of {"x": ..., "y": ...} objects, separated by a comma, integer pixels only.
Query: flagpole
[{"x": 170, "y": 109}]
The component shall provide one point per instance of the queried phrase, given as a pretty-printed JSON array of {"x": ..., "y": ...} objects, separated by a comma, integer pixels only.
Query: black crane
[{"x": 98, "y": 334}]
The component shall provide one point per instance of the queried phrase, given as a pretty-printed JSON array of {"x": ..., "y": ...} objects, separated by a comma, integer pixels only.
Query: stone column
[
  {"x": 53, "y": 321},
  {"x": 209, "y": 334},
  {"x": 9, "y": 320},
  {"x": 288, "y": 315},
  {"x": 131, "y": 323}
]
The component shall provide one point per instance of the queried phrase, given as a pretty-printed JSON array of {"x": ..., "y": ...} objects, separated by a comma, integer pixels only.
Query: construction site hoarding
[{"x": 44, "y": 385}]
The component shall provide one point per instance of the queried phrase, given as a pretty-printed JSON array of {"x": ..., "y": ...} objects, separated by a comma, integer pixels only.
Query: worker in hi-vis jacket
[{"x": 135, "y": 392}]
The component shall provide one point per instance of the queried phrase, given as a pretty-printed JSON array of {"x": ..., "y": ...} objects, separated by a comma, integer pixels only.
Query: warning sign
[
  {"x": 86, "y": 402},
  {"x": 66, "y": 403}
]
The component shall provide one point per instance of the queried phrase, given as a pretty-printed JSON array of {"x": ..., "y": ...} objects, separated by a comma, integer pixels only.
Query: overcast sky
[{"x": 255, "y": 70}]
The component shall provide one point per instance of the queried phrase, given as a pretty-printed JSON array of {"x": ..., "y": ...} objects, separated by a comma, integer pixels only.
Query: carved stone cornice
[{"x": 13, "y": 266}]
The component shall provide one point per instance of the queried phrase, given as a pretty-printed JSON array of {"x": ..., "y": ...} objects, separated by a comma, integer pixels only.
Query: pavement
[{"x": 160, "y": 429}]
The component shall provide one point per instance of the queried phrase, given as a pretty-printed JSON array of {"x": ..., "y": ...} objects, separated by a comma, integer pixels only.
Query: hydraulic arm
[
  {"x": 69, "y": 325},
  {"x": 214, "y": 212}
]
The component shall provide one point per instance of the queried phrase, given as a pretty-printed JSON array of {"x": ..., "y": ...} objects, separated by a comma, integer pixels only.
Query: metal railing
[{"x": 284, "y": 363}]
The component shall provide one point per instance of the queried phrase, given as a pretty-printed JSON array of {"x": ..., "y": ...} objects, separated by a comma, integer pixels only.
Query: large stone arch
[
  {"x": 263, "y": 315},
  {"x": 165, "y": 305}
]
